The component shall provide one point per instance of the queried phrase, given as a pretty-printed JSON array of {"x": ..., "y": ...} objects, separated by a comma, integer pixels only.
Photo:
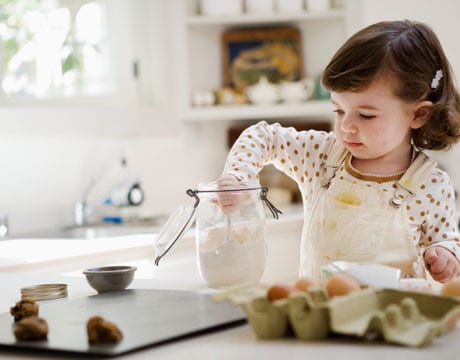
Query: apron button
[{"x": 396, "y": 202}]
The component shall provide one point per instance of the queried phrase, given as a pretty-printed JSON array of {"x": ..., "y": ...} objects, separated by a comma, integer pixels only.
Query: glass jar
[
  {"x": 229, "y": 232},
  {"x": 230, "y": 242}
]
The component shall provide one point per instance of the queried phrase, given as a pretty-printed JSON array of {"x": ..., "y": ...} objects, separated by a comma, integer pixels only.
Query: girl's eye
[
  {"x": 339, "y": 112},
  {"x": 366, "y": 117}
]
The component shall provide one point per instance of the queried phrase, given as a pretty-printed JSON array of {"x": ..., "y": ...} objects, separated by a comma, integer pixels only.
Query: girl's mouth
[{"x": 352, "y": 144}]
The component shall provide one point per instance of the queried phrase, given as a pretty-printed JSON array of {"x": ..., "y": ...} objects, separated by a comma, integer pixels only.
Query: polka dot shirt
[{"x": 300, "y": 154}]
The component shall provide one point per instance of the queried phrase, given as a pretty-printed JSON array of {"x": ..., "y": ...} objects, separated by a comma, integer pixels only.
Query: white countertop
[
  {"x": 57, "y": 255},
  {"x": 178, "y": 271}
]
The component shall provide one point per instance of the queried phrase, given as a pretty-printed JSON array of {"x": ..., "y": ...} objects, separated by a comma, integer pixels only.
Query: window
[{"x": 54, "y": 49}]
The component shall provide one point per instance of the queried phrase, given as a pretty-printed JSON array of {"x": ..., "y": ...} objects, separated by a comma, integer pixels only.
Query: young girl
[{"x": 370, "y": 194}]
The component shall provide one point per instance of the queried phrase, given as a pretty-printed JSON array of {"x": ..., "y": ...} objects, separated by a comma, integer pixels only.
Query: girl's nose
[{"x": 347, "y": 125}]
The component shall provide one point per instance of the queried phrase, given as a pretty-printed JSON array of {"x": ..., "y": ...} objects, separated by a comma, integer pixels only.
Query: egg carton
[{"x": 399, "y": 317}]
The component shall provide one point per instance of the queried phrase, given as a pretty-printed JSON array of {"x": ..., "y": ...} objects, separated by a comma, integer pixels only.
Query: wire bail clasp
[{"x": 273, "y": 209}]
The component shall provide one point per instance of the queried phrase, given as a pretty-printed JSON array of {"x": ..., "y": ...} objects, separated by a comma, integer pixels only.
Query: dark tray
[{"x": 146, "y": 318}]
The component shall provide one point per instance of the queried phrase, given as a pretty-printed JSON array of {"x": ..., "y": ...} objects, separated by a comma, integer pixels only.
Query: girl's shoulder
[
  {"x": 437, "y": 183},
  {"x": 437, "y": 175},
  {"x": 425, "y": 172}
]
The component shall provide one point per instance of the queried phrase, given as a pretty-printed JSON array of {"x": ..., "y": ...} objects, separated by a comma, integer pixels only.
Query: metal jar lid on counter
[{"x": 44, "y": 291}]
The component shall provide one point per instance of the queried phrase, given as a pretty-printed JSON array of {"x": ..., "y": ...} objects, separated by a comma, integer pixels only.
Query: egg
[
  {"x": 340, "y": 284},
  {"x": 280, "y": 291},
  {"x": 305, "y": 282},
  {"x": 451, "y": 288}
]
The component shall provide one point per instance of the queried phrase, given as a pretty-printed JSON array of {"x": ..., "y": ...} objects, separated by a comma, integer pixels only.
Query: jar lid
[
  {"x": 176, "y": 225},
  {"x": 44, "y": 291}
]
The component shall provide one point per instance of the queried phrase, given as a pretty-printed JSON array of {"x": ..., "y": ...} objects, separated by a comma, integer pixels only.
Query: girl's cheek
[
  {"x": 338, "y": 132},
  {"x": 337, "y": 126}
]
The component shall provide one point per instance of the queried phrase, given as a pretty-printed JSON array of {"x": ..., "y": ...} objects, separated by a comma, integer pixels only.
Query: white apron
[{"x": 354, "y": 222}]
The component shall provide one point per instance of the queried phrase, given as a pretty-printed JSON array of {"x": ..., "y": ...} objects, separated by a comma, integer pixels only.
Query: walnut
[
  {"x": 31, "y": 328},
  {"x": 101, "y": 331},
  {"x": 24, "y": 308}
]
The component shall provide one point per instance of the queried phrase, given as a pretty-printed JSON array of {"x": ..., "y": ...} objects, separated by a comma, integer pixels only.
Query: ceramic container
[
  {"x": 263, "y": 92},
  {"x": 297, "y": 91},
  {"x": 203, "y": 98}
]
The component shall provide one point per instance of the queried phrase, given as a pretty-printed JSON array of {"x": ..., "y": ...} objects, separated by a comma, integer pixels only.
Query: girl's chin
[{"x": 358, "y": 151}]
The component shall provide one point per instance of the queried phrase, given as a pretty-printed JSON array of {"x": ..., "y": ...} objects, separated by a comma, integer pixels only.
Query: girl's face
[{"x": 374, "y": 124}]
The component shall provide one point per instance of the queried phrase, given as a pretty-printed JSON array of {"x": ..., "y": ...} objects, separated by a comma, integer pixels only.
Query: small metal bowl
[{"x": 110, "y": 278}]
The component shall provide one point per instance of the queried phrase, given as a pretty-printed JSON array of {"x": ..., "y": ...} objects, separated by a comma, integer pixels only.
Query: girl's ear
[{"x": 421, "y": 114}]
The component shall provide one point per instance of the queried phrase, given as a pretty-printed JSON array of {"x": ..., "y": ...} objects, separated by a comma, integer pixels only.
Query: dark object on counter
[
  {"x": 31, "y": 328},
  {"x": 110, "y": 278},
  {"x": 101, "y": 331},
  {"x": 24, "y": 309},
  {"x": 147, "y": 318}
]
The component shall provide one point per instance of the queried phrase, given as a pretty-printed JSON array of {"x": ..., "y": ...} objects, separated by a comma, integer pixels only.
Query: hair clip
[{"x": 435, "y": 81}]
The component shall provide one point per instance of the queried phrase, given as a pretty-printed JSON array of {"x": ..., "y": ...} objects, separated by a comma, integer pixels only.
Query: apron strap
[
  {"x": 336, "y": 154},
  {"x": 412, "y": 179}
]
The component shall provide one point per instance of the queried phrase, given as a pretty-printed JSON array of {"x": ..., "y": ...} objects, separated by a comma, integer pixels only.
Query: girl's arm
[
  {"x": 297, "y": 153},
  {"x": 441, "y": 237}
]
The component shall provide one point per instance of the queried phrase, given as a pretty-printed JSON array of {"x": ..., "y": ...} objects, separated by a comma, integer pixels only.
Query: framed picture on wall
[{"x": 247, "y": 54}]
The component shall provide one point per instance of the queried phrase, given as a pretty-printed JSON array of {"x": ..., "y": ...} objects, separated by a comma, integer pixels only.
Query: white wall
[
  {"x": 42, "y": 175},
  {"x": 47, "y": 158},
  {"x": 442, "y": 16}
]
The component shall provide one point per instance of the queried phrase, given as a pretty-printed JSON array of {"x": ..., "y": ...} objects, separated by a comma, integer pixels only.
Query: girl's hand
[
  {"x": 441, "y": 263},
  {"x": 229, "y": 201}
]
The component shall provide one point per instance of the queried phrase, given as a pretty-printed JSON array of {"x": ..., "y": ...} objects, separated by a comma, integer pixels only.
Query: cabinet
[{"x": 199, "y": 59}]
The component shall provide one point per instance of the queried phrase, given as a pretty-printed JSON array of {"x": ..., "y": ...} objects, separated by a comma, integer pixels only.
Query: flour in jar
[{"x": 232, "y": 259}]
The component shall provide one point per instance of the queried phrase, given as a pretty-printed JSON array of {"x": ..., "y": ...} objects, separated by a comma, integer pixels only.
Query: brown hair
[{"x": 411, "y": 54}]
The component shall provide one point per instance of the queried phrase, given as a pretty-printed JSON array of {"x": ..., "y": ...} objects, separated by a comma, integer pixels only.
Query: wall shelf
[
  {"x": 315, "y": 108},
  {"x": 200, "y": 60}
]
